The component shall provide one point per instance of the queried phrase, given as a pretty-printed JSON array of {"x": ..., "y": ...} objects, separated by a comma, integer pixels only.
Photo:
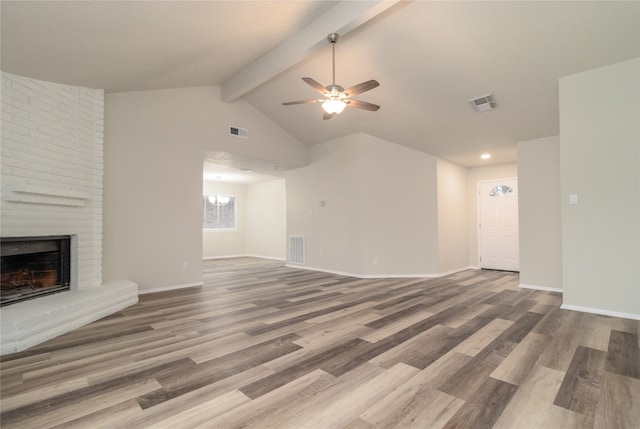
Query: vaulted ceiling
[{"x": 429, "y": 57}]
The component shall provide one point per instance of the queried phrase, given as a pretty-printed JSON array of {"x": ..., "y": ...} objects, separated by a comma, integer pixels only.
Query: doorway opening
[{"x": 244, "y": 208}]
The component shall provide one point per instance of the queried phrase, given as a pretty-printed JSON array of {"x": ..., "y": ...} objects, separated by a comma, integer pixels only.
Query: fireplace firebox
[{"x": 34, "y": 266}]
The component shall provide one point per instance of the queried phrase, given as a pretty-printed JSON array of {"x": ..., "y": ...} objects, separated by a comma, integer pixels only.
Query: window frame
[
  {"x": 233, "y": 200},
  {"x": 502, "y": 191}
]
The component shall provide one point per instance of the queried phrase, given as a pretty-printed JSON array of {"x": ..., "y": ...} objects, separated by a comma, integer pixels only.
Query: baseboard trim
[
  {"x": 272, "y": 258},
  {"x": 601, "y": 311},
  {"x": 375, "y": 276},
  {"x": 168, "y": 288},
  {"x": 209, "y": 258},
  {"x": 457, "y": 270},
  {"x": 545, "y": 288}
]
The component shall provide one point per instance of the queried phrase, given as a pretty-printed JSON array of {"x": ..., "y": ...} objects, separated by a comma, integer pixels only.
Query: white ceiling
[
  {"x": 429, "y": 57},
  {"x": 226, "y": 174},
  {"x": 227, "y": 167},
  {"x": 140, "y": 45}
]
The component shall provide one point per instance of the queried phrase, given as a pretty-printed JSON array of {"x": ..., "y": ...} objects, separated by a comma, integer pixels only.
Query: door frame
[{"x": 478, "y": 237}]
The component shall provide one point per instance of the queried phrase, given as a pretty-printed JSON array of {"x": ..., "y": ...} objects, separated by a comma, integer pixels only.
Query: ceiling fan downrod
[{"x": 333, "y": 39}]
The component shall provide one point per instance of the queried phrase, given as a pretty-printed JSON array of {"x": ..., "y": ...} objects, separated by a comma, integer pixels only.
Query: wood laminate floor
[{"x": 265, "y": 346}]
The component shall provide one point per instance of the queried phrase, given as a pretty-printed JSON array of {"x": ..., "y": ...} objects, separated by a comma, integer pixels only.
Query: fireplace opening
[{"x": 34, "y": 266}]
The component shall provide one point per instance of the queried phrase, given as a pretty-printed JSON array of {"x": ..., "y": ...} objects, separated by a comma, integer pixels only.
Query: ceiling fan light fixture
[
  {"x": 334, "y": 106},
  {"x": 336, "y": 98}
]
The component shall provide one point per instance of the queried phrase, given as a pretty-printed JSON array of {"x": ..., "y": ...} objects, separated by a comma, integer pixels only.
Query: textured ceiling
[{"x": 429, "y": 57}]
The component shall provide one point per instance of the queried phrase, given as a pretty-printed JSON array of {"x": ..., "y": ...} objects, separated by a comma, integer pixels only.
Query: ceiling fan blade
[
  {"x": 326, "y": 115},
  {"x": 361, "y": 87},
  {"x": 289, "y": 103},
  {"x": 315, "y": 85},
  {"x": 363, "y": 105}
]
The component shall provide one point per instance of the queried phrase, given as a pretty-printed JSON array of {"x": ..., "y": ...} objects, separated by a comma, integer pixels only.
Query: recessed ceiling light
[{"x": 485, "y": 156}]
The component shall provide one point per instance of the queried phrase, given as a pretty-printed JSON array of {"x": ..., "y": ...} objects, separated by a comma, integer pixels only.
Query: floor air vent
[{"x": 296, "y": 249}]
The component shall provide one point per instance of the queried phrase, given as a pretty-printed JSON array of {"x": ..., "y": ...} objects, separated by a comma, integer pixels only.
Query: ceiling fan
[{"x": 336, "y": 98}]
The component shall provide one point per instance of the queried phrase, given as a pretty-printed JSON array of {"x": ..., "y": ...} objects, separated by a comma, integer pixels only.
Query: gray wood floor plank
[
  {"x": 485, "y": 407},
  {"x": 623, "y": 354},
  {"x": 580, "y": 388}
]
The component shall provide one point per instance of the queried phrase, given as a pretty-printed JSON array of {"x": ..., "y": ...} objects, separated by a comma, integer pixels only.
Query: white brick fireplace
[{"x": 51, "y": 172}]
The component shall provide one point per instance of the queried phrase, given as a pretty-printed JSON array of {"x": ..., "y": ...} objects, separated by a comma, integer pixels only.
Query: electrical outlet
[
  {"x": 185, "y": 265},
  {"x": 375, "y": 261},
  {"x": 322, "y": 253}
]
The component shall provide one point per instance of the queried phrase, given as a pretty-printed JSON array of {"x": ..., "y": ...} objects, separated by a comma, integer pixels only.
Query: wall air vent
[
  {"x": 239, "y": 132},
  {"x": 483, "y": 103},
  {"x": 296, "y": 249}
]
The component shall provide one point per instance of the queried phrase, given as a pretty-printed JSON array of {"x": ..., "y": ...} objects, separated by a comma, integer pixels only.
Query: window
[
  {"x": 219, "y": 212},
  {"x": 501, "y": 190}
]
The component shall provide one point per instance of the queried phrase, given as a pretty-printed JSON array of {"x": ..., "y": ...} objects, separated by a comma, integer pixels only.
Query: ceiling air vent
[
  {"x": 239, "y": 132},
  {"x": 483, "y": 103}
]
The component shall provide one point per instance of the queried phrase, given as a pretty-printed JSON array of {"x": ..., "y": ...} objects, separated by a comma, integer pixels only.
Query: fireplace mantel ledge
[
  {"x": 20, "y": 192},
  {"x": 32, "y": 322}
]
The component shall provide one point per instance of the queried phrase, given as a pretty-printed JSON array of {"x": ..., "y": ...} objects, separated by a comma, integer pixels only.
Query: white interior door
[{"x": 498, "y": 225}]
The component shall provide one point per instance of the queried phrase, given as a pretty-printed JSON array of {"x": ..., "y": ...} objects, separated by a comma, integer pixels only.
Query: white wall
[
  {"x": 330, "y": 231},
  {"x": 453, "y": 237},
  {"x": 539, "y": 213},
  {"x": 600, "y": 163},
  {"x": 155, "y": 143},
  {"x": 380, "y": 204},
  {"x": 52, "y": 143},
  {"x": 216, "y": 244},
  {"x": 474, "y": 175},
  {"x": 266, "y": 219}
]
